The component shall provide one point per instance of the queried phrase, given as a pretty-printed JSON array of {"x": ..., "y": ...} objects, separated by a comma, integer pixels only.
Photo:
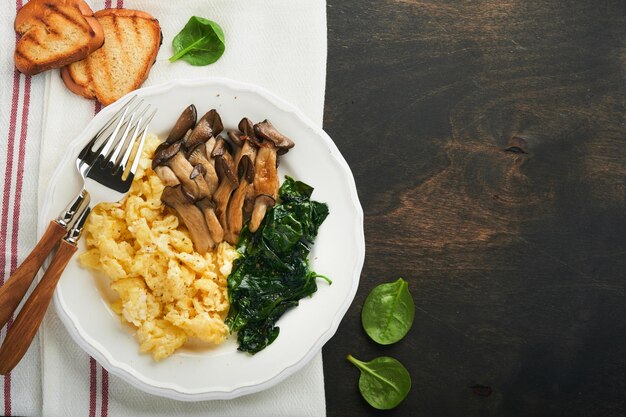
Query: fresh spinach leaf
[
  {"x": 201, "y": 42},
  {"x": 388, "y": 312},
  {"x": 273, "y": 272},
  {"x": 384, "y": 381}
]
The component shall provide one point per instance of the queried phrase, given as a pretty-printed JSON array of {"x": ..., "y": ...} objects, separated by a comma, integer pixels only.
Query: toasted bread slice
[
  {"x": 132, "y": 40},
  {"x": 55, "y": 33}
]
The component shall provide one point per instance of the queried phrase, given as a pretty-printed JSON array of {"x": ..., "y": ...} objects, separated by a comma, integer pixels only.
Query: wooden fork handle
[
  {"x": 14, "y": 289},
  {"x": 21, "y": 333}
]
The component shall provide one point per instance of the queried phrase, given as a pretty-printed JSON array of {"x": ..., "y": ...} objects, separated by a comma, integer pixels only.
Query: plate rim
[{"x": 171, "y": 391}]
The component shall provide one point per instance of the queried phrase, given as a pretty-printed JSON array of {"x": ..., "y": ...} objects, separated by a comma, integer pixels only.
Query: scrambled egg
[{"x": 167, "y": 291}]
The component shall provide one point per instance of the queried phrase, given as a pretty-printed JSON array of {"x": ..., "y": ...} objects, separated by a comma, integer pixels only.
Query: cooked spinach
[
  {"x": 200, "y": 42},
  {"x": 384, "y": 381},
  {"x": 388, "y": 312},
  {"x": 273, "y": 272}
]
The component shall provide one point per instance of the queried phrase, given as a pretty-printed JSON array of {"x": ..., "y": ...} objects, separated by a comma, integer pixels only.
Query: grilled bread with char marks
[
  {"x": 55, "y": 33},
  {"x": 132, "y": 41}
]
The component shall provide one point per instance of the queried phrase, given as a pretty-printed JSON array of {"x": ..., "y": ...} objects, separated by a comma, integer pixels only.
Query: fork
[
  {"x": 107, "y": 164},
  {"x": 12, "y": 292}
]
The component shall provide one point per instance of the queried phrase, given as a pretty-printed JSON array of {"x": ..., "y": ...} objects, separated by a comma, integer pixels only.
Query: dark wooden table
[{"x": 488, "y": 143}]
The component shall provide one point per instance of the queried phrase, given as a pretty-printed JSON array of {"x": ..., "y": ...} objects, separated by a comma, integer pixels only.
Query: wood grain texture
[
  {"x": 487, "y": 143},
  {"x": 21, "y": 333},
  {"x": 12, "y": 292}
]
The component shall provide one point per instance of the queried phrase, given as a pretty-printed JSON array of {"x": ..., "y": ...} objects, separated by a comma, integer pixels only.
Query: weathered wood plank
[{"x": 488, "y": 143}]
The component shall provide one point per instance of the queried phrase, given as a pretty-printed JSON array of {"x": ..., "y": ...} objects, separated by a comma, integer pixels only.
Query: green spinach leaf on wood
[
  {"x": 388, "y": 312},
  {"x": 384, "y": 381}
]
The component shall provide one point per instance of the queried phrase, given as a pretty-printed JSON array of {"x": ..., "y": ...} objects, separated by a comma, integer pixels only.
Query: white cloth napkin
[{"x": 278, "y": 44}]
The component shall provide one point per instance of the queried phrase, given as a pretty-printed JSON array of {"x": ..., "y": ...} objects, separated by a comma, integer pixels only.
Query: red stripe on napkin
[
  {"x": 92, "y": 387},
  {"x": 8, "y": 172},
  {"x": 20, "y": 176},
  {"x": 7, "y": 394},
  {"x": 105, "y": 394},
  {"x": 5, "y": 215}
]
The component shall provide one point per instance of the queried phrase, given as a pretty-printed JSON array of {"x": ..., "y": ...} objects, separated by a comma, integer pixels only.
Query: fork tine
[
  {"x": 116, "y": 117},
  {"x": 111, "y": 157},
  {"x": 141, "y": 124},
  {"x": 135, "y": 127},
  {"x": 137, "y": 156},
  {"x": 119, "y": 114},
  {"x": 105, "y": 147}
]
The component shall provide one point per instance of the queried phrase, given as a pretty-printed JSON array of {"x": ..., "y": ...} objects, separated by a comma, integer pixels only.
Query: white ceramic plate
[{"x": 223, "y": 372}]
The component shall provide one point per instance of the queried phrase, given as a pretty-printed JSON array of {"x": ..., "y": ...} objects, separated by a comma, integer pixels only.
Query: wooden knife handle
[
  {"x": 21, "y": 333},
  {"x": 14, "y": 289}
]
